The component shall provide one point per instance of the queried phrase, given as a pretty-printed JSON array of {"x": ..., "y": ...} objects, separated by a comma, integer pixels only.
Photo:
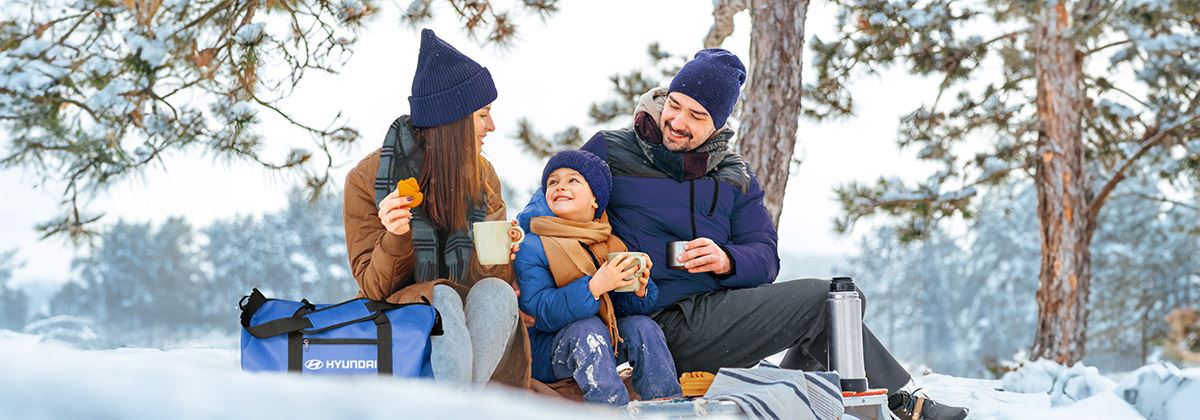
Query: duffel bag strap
[
  {"x": 383, "y": 335},
  {"x": 251, "y": 303},
  {"x": 305, "y": 320}
]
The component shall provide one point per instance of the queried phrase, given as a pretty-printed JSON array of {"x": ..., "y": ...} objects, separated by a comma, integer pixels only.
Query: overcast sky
[{"x": 551, "y": 75}]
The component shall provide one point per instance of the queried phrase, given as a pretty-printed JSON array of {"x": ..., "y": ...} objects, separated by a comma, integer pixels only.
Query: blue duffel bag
[{"x": 355, "y": 337}]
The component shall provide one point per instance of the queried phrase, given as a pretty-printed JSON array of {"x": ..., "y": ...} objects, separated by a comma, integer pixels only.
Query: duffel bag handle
[{"x": 308, "y": 322}]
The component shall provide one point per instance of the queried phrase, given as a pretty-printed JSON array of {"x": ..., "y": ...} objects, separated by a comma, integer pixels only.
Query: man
[{"x": 676, "y": 178}]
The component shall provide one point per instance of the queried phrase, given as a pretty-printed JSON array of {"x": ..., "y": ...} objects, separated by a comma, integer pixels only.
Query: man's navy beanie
[{"x": 713, "y": 78}]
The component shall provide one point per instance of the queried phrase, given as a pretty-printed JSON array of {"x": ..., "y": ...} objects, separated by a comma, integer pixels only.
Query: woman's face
[
  {"x": 483, "y": 124},
  {"x": 569, "y": 196}
]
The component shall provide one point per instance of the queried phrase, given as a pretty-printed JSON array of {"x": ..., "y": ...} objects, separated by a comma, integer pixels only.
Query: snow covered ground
[
  {"x": 49, "y": 380},
  {"x": 40, "y": 380},
  {"x": 1045, "y": 390}
]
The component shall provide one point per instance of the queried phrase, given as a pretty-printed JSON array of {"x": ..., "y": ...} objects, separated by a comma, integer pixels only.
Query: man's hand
[
  {"x": 394, "y": 213},
  {"x": 703, "y": 255}
]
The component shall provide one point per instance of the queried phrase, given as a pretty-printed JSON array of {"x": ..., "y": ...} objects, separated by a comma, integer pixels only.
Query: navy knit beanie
[
  {"x": 448, "y": 85},
  {"x": 714, "y": 79},
  {"x": 593, "y": 168}
]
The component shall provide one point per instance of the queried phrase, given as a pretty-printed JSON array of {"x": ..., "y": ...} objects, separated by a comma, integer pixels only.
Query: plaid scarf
[{"x": 400, "y": 158}]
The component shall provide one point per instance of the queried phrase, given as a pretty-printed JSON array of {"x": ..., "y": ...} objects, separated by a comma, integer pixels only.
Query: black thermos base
[{"x": 854, "y": 385}]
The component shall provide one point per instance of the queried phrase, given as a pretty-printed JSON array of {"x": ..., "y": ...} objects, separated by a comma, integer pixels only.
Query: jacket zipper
[
  {"x": 692, "y": 205},
  {"x": 716, "y": 187},
  {"x": 337, "y": 341}
]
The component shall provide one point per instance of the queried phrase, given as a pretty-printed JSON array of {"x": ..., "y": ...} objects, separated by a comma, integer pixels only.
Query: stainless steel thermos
[{"x": 845, "y": 334}]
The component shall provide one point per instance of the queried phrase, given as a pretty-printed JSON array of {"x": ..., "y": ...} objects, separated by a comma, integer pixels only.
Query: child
[{"x": 583, "y": 329}]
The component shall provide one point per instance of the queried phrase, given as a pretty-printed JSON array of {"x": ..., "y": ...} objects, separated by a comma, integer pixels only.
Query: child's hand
[
  {"x": 612, "y": 275},
  {"x": 641, "y": 290},
  {"x": 644, "y": 279}
]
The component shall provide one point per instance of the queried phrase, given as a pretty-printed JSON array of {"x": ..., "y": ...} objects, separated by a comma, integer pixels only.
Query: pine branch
[
  {"x": 958, "y": 62},
  {"x": 541, "y": 147},
  {"x": 1153, "y": 138}
]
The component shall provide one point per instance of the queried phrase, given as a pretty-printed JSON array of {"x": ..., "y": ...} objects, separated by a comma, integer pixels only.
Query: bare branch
[
  {"x": 207, "y": 15},
  {"x": 1162, "y": 199},
  {"x": 1106, "y": 46},
  {"x": 722, "y": 27},
  {"x": 1154, "y": 138}
]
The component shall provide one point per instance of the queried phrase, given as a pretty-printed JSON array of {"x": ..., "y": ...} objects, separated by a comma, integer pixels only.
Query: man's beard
[{"x": 677, "y": 147}]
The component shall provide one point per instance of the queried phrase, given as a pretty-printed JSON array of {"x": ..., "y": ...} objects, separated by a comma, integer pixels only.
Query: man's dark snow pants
[{"x": 739, "y": 327}]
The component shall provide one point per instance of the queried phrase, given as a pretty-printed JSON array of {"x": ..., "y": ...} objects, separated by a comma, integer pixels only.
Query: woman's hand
[
  {"x": 526, "y": 319},
  {"x": 612, "y": 276},
  {"x": 394, "y": 213},
  {"x": 516, "y": 246}
]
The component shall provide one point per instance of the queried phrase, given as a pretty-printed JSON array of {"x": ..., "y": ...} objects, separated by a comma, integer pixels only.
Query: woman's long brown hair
[{"x": 450, "y": 172}]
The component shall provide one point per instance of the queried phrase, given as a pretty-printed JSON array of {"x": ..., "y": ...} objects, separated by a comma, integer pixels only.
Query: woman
[{"x": 403, "y": 255}]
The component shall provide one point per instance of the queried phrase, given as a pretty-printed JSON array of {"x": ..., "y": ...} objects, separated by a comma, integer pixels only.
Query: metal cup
[{"x": 674, "y": 250}]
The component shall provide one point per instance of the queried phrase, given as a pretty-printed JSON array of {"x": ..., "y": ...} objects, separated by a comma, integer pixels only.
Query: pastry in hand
[{"x": 410, "y": 188}]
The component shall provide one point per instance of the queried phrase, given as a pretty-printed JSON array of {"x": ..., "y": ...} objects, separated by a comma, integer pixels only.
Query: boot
[{"x": 909, "y": 406}]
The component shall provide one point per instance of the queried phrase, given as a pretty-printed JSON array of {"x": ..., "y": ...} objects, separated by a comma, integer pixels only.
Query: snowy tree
[
  {"x": 946, "y": 301},
  {"x": 244, "y": 253},
  {"x": 1072, "y": 95},
  {"x": 143, "y": 282},
  {"x": 1003, "y": 266},
  {"x": 147, "y": 284},
  {"x": 14, "y": 304},
  {"x": 313, "y": 236},
  {"x": 1145, "y": 266},
  {"x": 960, "y": 303},
  {"x": 297, "y": 253},
  {"x": 99, "y": 90},
  {"x": 883, "y": 269},
  {"x": 76, "y": 298}
]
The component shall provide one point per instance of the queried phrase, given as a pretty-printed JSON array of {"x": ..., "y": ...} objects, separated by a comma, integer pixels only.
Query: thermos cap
[{"x": 841, "y": 284}]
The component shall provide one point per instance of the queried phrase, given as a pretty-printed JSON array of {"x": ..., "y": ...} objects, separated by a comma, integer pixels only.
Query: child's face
[{"x": 569, "y": 195}]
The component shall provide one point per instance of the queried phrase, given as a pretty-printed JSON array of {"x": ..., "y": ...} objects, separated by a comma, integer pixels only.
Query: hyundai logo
[{"x": 314, "y": 364}]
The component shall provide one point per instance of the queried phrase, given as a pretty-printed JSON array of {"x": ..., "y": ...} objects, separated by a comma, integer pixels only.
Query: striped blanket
[{"x": 770, "y": 392}]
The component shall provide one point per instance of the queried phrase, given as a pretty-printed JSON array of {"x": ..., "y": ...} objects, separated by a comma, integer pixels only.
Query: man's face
[{"x": 685, "y": 123}]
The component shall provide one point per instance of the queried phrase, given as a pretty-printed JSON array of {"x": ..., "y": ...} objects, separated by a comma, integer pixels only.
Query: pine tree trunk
[
  {"x": 1062, "y": 192},
  {"x": 771, "y": 101}
]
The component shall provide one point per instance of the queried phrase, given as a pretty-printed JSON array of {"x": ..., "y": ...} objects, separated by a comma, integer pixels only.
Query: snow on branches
[
  {"x": 1141, "y": 79},
  {"x": 95, "y": 91}
]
